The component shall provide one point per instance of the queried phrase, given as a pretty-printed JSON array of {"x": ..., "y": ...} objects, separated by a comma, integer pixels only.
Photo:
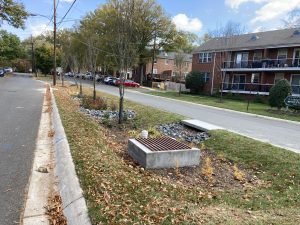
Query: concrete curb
[{"x": 74, "y": 205}]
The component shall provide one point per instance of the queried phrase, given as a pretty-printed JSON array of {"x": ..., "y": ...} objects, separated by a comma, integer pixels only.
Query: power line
[{"x": 59, "y": 23}]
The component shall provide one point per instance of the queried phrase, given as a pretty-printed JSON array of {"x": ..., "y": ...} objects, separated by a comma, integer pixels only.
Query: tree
[
  {"x": 227, "y": 34},
  {"x": 278, "y": 93},
  {"x": 179, "y": 63},
  {"x": 195, "y": 82},
  {"x": 44, "y": 58},
  {"x": 128, "y": 28},
  {"x": 10, "y": 47},
  {"x": 228, "y": 30},
  {"x": 293, "y": 19},
  {"x": 91, "y": 34},
  {"x": 182, "y": 41},
  {"x": 13, "y": 12}
]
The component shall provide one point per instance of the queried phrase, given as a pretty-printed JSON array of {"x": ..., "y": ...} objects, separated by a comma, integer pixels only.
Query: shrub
[
  {"x": 195, "y": 82},
  {"x": 278, "y": 93},
  {"x": 99, "y": 104}
]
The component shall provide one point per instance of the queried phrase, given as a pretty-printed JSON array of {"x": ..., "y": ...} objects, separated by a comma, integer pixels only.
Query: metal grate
[{"x": 162, "y": 144}]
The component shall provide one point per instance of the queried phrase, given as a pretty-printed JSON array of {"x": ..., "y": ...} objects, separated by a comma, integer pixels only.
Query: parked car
[
  {"x": 107, "y": 80},
  {"x": 99, "y": 78},
  {"x": 129, "y": 83},
  {"x": 89, "y": 76},
  {"x": 77, "y": 75},
  {"x": 113, "y": 81},
  {"x": 2, "y": 73},
  {"x": 8, "y": 70}
]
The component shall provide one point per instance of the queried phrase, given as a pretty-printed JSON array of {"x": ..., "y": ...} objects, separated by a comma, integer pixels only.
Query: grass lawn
[
  {"x": 118, "y": 191},
  {"x": 237, "y": 105}
]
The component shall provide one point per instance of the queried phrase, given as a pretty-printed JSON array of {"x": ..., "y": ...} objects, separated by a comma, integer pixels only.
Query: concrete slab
[
  {"x": 162, "y": 159},
  {"x": 200, "y": 125}
]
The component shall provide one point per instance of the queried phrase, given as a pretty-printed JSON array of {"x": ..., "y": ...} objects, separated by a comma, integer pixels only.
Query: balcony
[
  {"x": 254, "y": 89},
  {"x": 289, "y": 64}
]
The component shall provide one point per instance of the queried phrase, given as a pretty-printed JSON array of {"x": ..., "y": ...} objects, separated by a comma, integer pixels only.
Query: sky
[{"x": 197, "y": 16}]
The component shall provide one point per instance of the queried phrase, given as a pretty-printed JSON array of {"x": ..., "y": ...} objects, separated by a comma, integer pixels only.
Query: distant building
[
  {"x": 250, "y": 63},
  {"x": 164, "y": 68}
]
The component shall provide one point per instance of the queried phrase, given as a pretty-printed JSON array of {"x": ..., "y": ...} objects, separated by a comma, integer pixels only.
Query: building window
[
  {"x": 186, "y": 64},
  {"x": 255, "y": 78},
  {"x": 154, "y": 71},
  {"x": 173, "y": 74},
  {"x": 206, "y": 77},
  {"x": 278, "y": 77},
  {"x": 205, "y": 57},
  {"x": 282, "y": 54},
  {"x": 167, "y": 61},
  {"x": 257, "y": 56}
]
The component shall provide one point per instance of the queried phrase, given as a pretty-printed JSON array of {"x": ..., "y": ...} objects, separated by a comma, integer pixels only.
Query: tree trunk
[{"x": 121, "y": 103}]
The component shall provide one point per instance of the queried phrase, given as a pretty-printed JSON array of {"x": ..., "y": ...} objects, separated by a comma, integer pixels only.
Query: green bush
[
  {"x": 278, "y": 93},
  {"x": 195, "y": 82},
  {"x": 89, "y": 103}
]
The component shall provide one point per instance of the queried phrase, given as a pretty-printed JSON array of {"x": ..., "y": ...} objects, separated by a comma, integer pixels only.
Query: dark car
[{"x": 2, "y": 73}]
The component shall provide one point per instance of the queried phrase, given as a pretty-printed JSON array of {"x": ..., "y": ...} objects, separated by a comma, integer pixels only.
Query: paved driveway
[
  {"x": 279, "y": 133},
  {"x": 21, "y": 102}
]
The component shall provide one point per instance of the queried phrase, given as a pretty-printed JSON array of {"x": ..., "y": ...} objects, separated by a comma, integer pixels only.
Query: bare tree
[
  {"x": 293, "y": 19},
  {"x": 179, "y": 63},
  {"x": 227, "y": 35},
  {"x": 228, "y": 30}
]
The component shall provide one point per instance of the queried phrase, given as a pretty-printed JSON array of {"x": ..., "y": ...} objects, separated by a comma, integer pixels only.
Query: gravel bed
[
  {"x": 178, "y": 130},
  {"x": 107, "y": 114}
]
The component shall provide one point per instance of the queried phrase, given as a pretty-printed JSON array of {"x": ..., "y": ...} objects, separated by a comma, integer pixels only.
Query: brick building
[
  {"x": 250, "y": 63},
  {"x": 164, "y": 67}
]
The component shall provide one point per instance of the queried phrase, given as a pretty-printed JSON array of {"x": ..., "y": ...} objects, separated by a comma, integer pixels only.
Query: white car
[
  {"x": 107, "y": 79},
  {"x": 88, "y": 76}
]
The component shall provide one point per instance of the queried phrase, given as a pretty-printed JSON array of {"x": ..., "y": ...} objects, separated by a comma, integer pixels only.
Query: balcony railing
[
  {"x": 249, "y": 88},
  {"x": 263, "y": 63}
]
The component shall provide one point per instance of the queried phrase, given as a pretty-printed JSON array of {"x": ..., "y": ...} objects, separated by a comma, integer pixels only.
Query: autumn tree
[{"x": 13, "y": 13}]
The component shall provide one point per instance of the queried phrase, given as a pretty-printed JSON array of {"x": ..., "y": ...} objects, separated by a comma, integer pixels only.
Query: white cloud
[
  {"x": 275, "y": 9},
  {"x": 272, "y": 10},
  {"x": 235, "y": 4},
  {"x": 184, "y": 23},
  {"x": 39, "y": 28}
]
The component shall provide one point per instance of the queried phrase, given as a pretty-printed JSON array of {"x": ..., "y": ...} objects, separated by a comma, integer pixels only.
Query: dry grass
[
  {"x": 120, "y": 192},
  {"x": 207, "y": 170}
]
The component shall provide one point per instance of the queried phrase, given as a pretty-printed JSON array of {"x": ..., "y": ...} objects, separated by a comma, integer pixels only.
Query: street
[
  {"x": 279, "y": 133},
  {"x": 21, "y": 101}
]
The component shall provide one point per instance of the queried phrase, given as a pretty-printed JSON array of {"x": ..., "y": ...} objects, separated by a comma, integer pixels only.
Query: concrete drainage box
[{"x": 155, "y": 153}]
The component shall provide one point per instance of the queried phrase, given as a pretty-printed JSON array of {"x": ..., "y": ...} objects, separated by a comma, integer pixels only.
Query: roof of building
[
  {"x": 267, "y": 39},
  {"x": 171, "y": 56}
]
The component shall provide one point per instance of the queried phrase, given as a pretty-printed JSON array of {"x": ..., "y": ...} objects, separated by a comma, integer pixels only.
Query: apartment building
[
  {"x": 250, "y": 63},
  {"x": 164, "y": 67}
]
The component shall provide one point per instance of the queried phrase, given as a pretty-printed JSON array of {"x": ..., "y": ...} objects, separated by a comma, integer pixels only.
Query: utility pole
[
  {"x": 54, "y": 37},
  {"x": 33, "y": 62},
  {"x": 32, "y": 57}
]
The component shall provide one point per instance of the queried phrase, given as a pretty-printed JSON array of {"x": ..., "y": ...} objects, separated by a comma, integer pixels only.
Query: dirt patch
[{"x": 224, "y": 172}]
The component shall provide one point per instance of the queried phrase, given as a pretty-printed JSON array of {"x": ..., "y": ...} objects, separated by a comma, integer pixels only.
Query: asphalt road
[
  {"x": 21, "y": 102},
  {"x": 280, "y": 133}
]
